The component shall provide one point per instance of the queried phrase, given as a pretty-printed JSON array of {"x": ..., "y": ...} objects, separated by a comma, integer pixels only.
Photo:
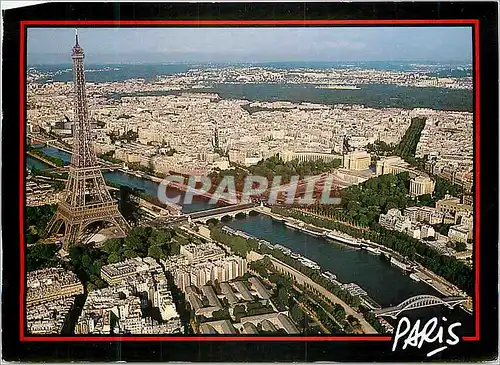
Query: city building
[
  {"x": 357, "y": 160},
  {"x": 427, "y": 231},
  {"x": 460, "y": 233},
  {"x": 304, "y": 156},
  {"x": 391, "y": 165},
  {"x": 259, "y": 288},
  {"x": 40, "y": 192},
  {"x": 185, "y": 121},
  {"x": 51, "y": 284},
  {"x": 228, "y": 293},
  {"x": 272, "y": 322},
  {"x": 162, "y": 299},
  {"x": 468, "y": 199},
  {"x": 221, "y": 327},
  {"x": 424, "y": 214},
  {"x": 201, "y": 252},
  {"x": 48, "y": 317},
  {"x": 394, "y": 220},
  {"x": 198, "y": 264},
  {"x": 451, "y": 205},
  {"x": 114, "y": 273},
  {"x": 466, "y": 219},
  {"x": 421, "y": 185},
  {"x": 345, "y": 177},
  {"x": 119, "y": 309}
]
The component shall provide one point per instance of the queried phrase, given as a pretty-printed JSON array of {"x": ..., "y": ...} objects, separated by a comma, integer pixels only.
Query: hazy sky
[{"x": 163, "y": 45}]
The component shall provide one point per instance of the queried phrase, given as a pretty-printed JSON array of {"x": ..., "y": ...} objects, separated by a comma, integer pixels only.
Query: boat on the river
[
  {"x": 267, "y": 243},
  {"x": 354, "y": 289},
  {"x": 329, "y": 275},
  {"x": 283, "y": 249},
  {"x": 351, "y": 242},
  {"x": 373, "y": 251},
  {"x": 309, "y": 263},
  {"x": 295, "y": 255},
  {"x": 291, "y": 225},
  {"x": 402, "y": 265},
  {"x": 414, "y": 276},
  {"x": 311, "y": 232}
]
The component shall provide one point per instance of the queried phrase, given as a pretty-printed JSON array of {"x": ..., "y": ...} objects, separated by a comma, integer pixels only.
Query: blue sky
[{"x": 164, "y": 45}]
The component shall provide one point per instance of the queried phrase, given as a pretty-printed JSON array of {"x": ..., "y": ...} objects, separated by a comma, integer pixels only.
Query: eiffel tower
[{"x": 86, "y": 199}]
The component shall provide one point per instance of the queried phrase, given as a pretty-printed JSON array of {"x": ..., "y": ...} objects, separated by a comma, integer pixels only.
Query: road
[{"x": 315, "y": 287}]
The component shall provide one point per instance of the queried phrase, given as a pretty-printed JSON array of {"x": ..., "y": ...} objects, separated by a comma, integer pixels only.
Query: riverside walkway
[{"x": 318, "y": 289}]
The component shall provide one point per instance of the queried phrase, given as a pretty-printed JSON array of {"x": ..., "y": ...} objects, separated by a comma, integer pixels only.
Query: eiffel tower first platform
[{"x": 86, "y": 199}]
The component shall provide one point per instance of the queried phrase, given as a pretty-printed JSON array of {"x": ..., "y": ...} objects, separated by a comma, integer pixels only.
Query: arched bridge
[
  {"x": 419, "y": 301},
  {"x": 220, "y": 212}
]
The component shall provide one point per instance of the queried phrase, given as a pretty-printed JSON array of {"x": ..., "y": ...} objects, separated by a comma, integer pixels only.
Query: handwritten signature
[{"x": 416, "y": 336}]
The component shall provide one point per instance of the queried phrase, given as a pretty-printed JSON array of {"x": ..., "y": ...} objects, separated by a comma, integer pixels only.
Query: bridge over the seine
[
  {"x": 48, "y": 141},
  {"x": 418, "y": 301},
  {"x": 220, "y": 212},
  {"x": 203, "y": 216}
]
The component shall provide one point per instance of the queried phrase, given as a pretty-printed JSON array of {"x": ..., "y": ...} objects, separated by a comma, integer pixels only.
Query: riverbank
[
  {"x": 387, "y": 284},
  {"x": 48, "y": 160},
  {"x": 430, "y": 278},
  {"x": 141, "y": 175},
  {"x": 310, "y": 284},
  {"x": 417, "y": 271}
]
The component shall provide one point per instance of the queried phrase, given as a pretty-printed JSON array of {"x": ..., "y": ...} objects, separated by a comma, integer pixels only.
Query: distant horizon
[
  {"x": 252, "y": 45},
  {"x": 429, "y": 62}
]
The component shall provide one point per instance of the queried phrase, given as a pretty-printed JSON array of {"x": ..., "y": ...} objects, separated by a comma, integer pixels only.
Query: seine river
[
  {"x": 385, "y": 283},
  {"x": 118, "y": 177}
]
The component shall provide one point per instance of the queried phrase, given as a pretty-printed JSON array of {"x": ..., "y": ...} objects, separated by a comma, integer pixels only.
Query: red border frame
[{"x": 113, "y": 23}]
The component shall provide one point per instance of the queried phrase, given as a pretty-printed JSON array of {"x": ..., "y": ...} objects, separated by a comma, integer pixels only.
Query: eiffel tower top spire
[
  {"x": 77, "y": 50},
  {"x": 83, "y": 152}
]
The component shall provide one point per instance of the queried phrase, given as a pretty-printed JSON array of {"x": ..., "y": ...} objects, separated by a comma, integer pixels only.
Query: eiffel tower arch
[{"x": 86, "y": 199}]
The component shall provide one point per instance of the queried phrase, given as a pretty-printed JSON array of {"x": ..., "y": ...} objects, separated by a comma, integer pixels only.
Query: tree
[
  {"x": 283, "y": 295},
  {"x": 112, "y": 245},
  {"x": 297, "y": 315},
  {"x": 90, "y": 286},
  {"x": 37, "y": 219},
  {"x": 426, "y": 200},
  {"x": 408, "y": 145},
  {"x": 86, "y": 261},
  {"x": 239, "y": 312},
  {"x": 175, "y": 248},
  {"x": 155, "y": 252},
  {"x": 130, "y": 253},
  {"x": 40, "y": 256},
  {"x": 137, "y": 240},
  {"x": 113, "y": 258},
  {"x": 442, "y": 228},
  {"x": 221, "y": 314},
  {"x": 160, "y": 238},
  {"x": 460, "y": 246}
]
